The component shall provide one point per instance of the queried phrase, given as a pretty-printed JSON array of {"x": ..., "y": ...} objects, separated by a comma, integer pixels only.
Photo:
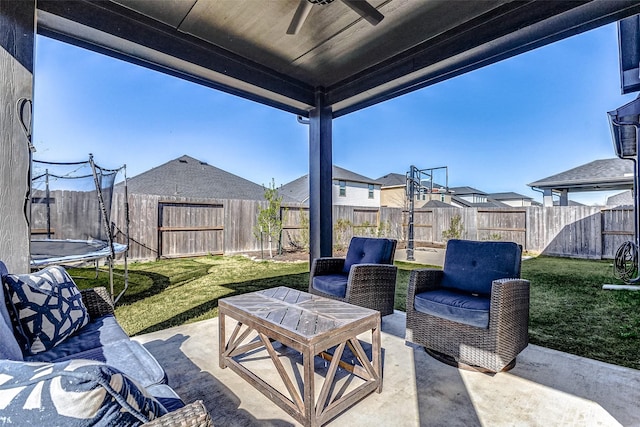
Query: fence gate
[
  {"x": 190, "y": 229},
  {"x": 617, "y": 228},
  {"x": 423, "y": 226}
]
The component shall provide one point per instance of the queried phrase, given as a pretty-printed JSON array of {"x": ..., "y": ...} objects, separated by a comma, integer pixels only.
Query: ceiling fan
[{"x": 361, "y": 7}]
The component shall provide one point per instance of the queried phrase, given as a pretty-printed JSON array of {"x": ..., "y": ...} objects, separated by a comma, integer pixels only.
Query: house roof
[
  {"x": 241, "y": 46},
  {"x": 463, "y": 191},
  {"x": 298, "y": 189},
  {"x": 190, "y": 177},
  {"x": 621, "y": 199},
  {"x": 509, "y": 195},
  {"x": 437, "y": 204},
  {"x": 605, "y": 174},
  {"x": 393, "y": 180},
  {"x": 346, "y": 175}
]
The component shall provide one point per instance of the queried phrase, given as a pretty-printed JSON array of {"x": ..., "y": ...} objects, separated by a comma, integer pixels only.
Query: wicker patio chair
[
  {"x": 366, "y": 277},
  {"x": 474, "y": 312}
]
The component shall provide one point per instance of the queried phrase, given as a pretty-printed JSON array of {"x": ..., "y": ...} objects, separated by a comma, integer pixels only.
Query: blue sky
[{"x": 496, "y": 129}]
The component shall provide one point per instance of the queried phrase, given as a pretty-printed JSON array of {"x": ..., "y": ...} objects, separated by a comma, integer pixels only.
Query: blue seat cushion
[
  {"x": 97, "y": 333},
  {"x": 368, "y": 250},
  {"x": 332, "y": 284},
  {"x": 472, "y": 266},
  {"x": 454, "y": 305},
  {"x": 128, "y": 356}
]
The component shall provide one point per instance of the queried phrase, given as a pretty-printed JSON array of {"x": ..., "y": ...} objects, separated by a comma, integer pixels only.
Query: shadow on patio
[{"x": 545, "y": 388}]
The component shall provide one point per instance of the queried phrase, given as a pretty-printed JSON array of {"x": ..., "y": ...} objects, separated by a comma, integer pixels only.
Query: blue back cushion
[
  {"x": 368, "y": 250},
  {"x": 46, "y": 306},
  {"x": 471, "y": 266}
]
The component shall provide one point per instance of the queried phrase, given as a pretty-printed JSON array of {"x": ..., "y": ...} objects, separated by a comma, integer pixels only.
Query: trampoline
[
  {"x": 46, "y": 252},
  {"x": 71, "y": 209}
]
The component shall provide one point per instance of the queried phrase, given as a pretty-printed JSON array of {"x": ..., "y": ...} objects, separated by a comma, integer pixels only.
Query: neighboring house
[
  {"x": 189, "y": 177},
  {"x": 512, "y": 199},
  {"x": 621, "y": 199},
  {"x": 437, "y": 204},
  {"x": 469, "y": 194},
  {"x": 469, "y": 197},
  {"x": 571, "y": 203},
  {"x": 599, "y": 175},
  {"x": 393, "y": 192},
  {"x": 349, "y": 189}
]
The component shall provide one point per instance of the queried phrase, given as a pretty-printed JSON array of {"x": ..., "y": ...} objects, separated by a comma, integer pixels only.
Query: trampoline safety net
[{"x": 71, "y": 209}]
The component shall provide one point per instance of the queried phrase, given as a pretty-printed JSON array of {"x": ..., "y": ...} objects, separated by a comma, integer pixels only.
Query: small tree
[
  {"x": 340, "y": 229},
  {"x": 269, "y": 217},
  {"x": 304, "y": 230},
  {"x": 455, "y": 229}
]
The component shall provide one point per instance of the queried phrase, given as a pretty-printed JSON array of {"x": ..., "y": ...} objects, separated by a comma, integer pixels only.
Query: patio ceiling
[{"x": 241, "y": 46}]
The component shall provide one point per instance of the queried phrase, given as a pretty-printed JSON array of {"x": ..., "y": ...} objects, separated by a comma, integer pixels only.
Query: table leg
[
  {"x": 309, "y": 388},
  {"x": 376, "y": 354},
  {"x": 222, "y": 343}
]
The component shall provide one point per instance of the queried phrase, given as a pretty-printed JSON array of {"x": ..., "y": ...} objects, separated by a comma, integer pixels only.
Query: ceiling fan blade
[
  {"x": 304, "y": 7},
  {"x": 364, "y": 9}
]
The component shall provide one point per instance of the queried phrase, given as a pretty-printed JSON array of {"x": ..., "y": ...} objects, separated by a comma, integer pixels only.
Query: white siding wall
[
  {"x": 357, "y": 195},
  {"x": 516, "y": 203}
]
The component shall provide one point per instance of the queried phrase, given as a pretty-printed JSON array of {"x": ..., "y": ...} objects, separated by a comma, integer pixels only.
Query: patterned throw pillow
[
  {"x": 77, "y": 392},
  {"x": 47, "y": 308}
]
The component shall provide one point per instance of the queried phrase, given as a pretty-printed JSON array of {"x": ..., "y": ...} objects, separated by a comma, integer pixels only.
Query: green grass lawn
[{"x": 569, "y": 310}]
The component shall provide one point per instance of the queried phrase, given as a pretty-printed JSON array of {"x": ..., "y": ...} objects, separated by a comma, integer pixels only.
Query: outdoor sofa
[{"x": 65, "y": 360}]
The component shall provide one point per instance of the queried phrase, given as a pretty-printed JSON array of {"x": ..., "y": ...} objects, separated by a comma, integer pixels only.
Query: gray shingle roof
[
  {"x": 621, "y": 199},
  {"x": 461, "y": 191},
  {"x": 605, "y": 174},
  {"x": 393, "y": 180},
  {"x": 346, "y": 175},
  {"x": 437, "y": 204},
  {"x": 297, "y": 190},
  {"x": 189, "y": 177}
]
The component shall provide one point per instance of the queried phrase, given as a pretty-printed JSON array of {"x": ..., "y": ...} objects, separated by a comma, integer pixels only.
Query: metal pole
[
  {"x": 47, "y": 195},
  {"x": 411, "y": 183}
]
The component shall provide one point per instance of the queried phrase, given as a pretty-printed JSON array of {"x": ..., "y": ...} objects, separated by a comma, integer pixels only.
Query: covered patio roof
[
  {"x": 598, "y": 175},
  {"x": 241, "y": 46}
]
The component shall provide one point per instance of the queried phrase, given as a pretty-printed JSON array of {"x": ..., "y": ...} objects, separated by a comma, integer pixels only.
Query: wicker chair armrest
[
  {"x": 97, "y": 301},
  {"x": 363, "y": 276},
  {"x": 509, "y": 289},
  {"x": 322, "y": 266},
  {"x": 195, "y": 414},
  {"x": 327, "y": 265},
  {"x": 510, "y": 300},
  {"x": 422, "y": 280}
]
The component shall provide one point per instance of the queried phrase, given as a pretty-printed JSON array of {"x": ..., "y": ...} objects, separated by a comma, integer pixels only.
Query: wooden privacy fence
[
  {"x": 165, "y": 227},
  {"x": 174, "y": 226}
]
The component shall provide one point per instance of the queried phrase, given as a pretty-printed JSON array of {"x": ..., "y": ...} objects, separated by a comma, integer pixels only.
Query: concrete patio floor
[{"x": 546, "y": 388}]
